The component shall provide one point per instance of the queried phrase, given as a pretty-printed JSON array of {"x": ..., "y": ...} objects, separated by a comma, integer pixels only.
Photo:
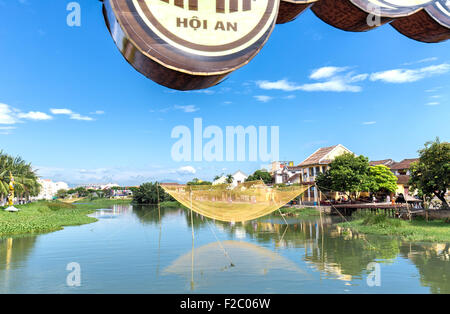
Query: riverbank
[
  {"x": 418, "y": 230},
  {"x": 298, "y": 212},
  {"x": 43, "y": 217}
]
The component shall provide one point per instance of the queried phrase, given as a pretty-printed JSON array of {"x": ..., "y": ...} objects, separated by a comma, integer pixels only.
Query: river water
[{"x": 143, "y": 250}]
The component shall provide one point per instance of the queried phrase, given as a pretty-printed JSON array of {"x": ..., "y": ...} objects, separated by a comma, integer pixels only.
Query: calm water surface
[{"x": 138, "y": 250}]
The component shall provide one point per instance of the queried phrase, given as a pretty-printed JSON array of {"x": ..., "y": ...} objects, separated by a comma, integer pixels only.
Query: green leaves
[
  {"x": 260, "y": 175},
  {"x": 25, "y": 177},
  {"x": 353, "y": 174},
  {"x": 431, "y": 175},
  {"x": 148, "y": 193},
  {"x": 381, "y": 179}
]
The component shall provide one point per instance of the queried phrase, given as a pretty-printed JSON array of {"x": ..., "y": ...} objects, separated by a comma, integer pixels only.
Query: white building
[
  {"x": 238, "y": 178},
  {"x": 50, "y": 188},
  {"x": 287, "y": 175},
  {"x": 99, "y": 186}
]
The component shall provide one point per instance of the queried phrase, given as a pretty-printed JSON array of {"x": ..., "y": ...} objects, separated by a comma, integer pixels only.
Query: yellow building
[{"x": 318, "y": 163}]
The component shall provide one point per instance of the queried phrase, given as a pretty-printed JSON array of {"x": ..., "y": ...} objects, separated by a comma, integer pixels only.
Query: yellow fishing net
[{"x": 247, "y": 201}]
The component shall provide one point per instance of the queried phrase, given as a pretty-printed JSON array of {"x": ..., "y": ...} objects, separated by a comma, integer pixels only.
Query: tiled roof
[
  {"x": 294, "y": 177},
  {"x": 295, "y": 168},
  {"x": 404, "y": 164},
  {"x": 385, "y": 162},
  {"x": 403, "y": 179},
  {"x": 317, "y": 156}
]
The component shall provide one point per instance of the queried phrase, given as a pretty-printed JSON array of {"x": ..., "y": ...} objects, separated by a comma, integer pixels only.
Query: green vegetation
[
  {"x": 99, "y": 203},
  {"x": 41, "y": 217},
  {"x": 352, "y": 174},
  {"x": 416, "y": 230},
  {"x": 260, "y": 175},
  {"x": 197, "y": 181},
  {"x": 25, "y": 178},
  {"x": 431, "y": 174},
  {"x": 299, "y": 212},
  {"x": 151, "y": 193},
  {"x": 381, "y": 179}
]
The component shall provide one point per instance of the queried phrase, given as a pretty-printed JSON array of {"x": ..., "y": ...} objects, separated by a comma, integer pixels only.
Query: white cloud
[
  {"x": 421, "y": 61},
  {"x": 332, "y": 81},
  {"x": 407, "y": 76},
  {"x": 263, "y": 98},
  {"x": 432, "y": 103},
  {"x": 35, "y": 115},
  {"x": 123, "y": 176},
  {"x": 188, "y": 109},
  {"x": 61, "y": 111},
  {"x": 335, "y": 85},
  {"x": 6, "y": 130},
  {"x": 72, "y": 115},
  {"x": 369, "y": 122},
  {"x": 77, "y": 116},
  {"x": 7, "y": 116},
  {"x": 186, "y": 170},
  {"x": 326, "y": 72},
  {"x": 283, "y": 85},
  {"x": 98, "y": 112}
]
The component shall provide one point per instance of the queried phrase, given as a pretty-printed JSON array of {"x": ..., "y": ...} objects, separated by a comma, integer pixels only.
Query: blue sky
[{"x": 378, "y": 93}]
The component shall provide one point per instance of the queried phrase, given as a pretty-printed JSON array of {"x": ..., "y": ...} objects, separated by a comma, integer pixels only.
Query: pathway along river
[{"x": 131, "y": 250}]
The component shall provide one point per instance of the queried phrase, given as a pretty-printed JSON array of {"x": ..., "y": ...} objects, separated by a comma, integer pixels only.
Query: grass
[
  {"x": 43, "y": 216},
  {"x": 299, "y": 212},
  {"x": 417, "y": 230}
]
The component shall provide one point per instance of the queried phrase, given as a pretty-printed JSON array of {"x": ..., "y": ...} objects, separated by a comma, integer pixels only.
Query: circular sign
[{"x": 205, "y": 38}]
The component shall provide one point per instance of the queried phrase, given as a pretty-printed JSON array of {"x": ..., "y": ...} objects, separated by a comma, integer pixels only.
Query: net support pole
[{"x": 193, "y": 247}]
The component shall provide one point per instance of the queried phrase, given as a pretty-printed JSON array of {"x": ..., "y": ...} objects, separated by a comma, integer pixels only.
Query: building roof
[
  {"x": 403, "y": 179},
  {"x": 318, "y": 156},
  {"x": 384, "y": 162},
  {"x": 241, "y": 172},
  {"x": 294, "y": 177},
  {"x": 294, "y": 168},
  {"x": 404, "y": 164}
]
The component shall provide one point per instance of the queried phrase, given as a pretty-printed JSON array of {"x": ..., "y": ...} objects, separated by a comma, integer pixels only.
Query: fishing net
[{"x": 247, "y": 201}]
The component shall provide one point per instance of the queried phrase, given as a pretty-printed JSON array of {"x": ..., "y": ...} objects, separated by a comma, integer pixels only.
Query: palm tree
[{"x": 25, "y": 178}]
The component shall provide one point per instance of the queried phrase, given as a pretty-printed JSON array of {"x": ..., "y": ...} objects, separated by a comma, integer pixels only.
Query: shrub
[
  {"x": 380, "y": 220},
  {"x": 59, "y": 205}
]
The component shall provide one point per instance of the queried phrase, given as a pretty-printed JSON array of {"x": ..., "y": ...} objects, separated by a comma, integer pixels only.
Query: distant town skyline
[{"x": 73, "y": 107}]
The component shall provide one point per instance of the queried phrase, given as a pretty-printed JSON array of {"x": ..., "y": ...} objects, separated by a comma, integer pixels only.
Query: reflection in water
[
  {"x": 308, "y": 255},
  {"x": 248, "y": 259},
  {"x": 13, "y": 252},
  {"x": 433, "y": 262}
]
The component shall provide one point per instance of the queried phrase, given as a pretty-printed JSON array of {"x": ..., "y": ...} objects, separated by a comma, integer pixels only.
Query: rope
[
  {"x": 331, "y": 204},
  {"x": 220, "y": 243},
  {"x": 281, "y": 214}
]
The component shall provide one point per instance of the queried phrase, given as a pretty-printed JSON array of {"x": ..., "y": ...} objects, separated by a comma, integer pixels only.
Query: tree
[
  {"x": 229, "y": 179},
  {"x": 61, "y": 193},
  {"x": 148, "y": 193},
  {"x": 347, "y": 173},
  {"x": 217, "y": 178},
  {"x": 197, "y": 181},
  {"x": 431, "y": 174},
  {"x": 81, "y": 191},
  {"x": 260, "y": 175},
  {"x": 381, "y": 179},
  {"x": 25, "y": 178}
]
